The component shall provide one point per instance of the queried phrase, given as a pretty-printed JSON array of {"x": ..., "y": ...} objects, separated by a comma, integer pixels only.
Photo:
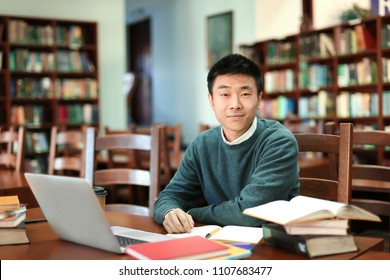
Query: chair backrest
[
  {"x": 172, "y": 142},
  {"x": 367, "y": 176},
  {"x": 173, "y": 136},
  {"x": 304, "y": 127},
  {"x": 203, "y": 127},
  {"x": 141, "y": 159},
  {"x": 298, "y": 127},
  {"x": 12, "y": 148},
  {"x": 121, "y": 158},
  {"x": 67, "y": 151},
  {"x": 339, "y": 145},
  {"x": 128, "y": 176}
]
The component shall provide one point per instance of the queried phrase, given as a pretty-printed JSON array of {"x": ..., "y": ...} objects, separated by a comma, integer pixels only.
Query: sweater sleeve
[
  {"x": 183, "y": 191},
  {"x": 276, "y": 176}
]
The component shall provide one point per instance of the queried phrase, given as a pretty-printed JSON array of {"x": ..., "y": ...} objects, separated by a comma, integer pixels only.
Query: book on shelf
[
  {"x": 75, "y": 36},
  {"x": 226, "y": 234},
  {"x": 14, "y": 235},
  {"x": 308, "y": 245},
  {"x": 303, "y": 208},
  {"x": 36, "y": 142},
  {"x": 364, "y": 39},
  {"x": 327, "y": 47},
  {"x": 36, "y": 165},
  {"x": 189, "y": 248}
]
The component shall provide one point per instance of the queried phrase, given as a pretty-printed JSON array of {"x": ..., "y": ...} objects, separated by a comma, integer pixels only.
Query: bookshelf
[
  {"x": 48, "y": 75},
  {"x": 339, "y": 73}
]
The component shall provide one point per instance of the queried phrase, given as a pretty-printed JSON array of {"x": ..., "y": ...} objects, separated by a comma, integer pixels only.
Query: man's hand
[{"x": 178, "y": 221}]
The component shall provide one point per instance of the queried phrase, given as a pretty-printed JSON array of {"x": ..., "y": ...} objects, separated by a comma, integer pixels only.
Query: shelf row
[
  {"x": 340, "y": 72},
  {"x": 324, "y": 105},
  {"x": 46, "y": 32},
  {"x": 39, "y": 115}
]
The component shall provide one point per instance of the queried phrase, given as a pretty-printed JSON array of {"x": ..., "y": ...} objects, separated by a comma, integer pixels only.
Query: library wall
[
  {"x": 180, "y": 45},
  {"x": 286, "y": 20}
]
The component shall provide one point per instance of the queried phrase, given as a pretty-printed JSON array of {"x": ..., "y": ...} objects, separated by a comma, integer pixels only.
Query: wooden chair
[
  {"x": 172, "y": 141},
  {"x": 371, "y": 176},
  {"x": 128, "y": 176},
  {"x": 338, "y": 189},
  {"x": 121, "y": 158},
  {"x": 173, "y": 137},
  {"x": 10, "y": 141},
  {"x": 371, "y": 181},
  {"x": 203, "y": 127},
  {"x": 67, "y": 152},
  {"x": 141, "y": 159}
]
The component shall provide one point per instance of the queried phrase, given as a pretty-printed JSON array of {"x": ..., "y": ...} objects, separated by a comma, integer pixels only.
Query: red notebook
[{"x": 188, "y": 248}]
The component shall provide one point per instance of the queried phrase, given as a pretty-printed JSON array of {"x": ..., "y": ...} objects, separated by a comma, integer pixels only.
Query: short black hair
[{"x": 234, "y": 64}]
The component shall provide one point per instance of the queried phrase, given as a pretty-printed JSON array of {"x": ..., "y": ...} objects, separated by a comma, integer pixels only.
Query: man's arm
[{"x": 183, "y": 192}]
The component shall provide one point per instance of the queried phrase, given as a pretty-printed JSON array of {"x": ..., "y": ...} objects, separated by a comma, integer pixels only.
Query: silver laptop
[{"x": 73, "y": 211}]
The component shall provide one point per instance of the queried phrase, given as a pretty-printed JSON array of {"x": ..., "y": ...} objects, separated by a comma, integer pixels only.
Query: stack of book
[
  {"x": 310, "y": 226},
  {"x": 12, "y": 217}
]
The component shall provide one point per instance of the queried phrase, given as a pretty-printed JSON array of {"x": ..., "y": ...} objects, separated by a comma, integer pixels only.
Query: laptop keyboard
[{"x": 124, "y": 241}]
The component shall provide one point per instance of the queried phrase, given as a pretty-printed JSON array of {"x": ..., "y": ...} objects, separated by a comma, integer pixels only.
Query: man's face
[{"x": 235, "y": 102}]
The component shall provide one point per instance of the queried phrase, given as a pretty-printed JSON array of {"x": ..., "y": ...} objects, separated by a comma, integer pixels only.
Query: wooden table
[
  {"x": 14, "y": 183},
  {"x": 45, "y": 245},
  {"x": 374, "y": 255}
]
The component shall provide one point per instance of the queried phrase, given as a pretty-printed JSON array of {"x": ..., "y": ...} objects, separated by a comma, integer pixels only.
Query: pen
[
  {"x": 35, "y": 221},
  {"x": 212, "y": 233}
]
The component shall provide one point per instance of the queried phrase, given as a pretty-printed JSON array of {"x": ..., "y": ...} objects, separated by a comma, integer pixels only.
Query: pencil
[{"x": 212, "y": 233}]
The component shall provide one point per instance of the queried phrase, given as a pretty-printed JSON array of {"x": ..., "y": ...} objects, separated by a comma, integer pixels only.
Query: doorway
[{"x": 139, "y": 54}]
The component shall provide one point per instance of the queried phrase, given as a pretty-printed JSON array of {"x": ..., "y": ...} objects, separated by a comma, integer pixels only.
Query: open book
[
  {"x": 303, "y": 208},
  {"x": 226, "y": 234}
]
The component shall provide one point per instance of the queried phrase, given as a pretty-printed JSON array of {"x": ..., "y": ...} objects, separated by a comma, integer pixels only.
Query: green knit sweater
[{"x": 231, "y": 178}]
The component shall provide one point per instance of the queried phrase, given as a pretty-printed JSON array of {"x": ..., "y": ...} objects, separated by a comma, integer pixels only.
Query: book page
[
  {"x": 356, "y": 213},
  {"x": 199, "y": 231},
  {"x": 314, "y": 204},
  {"x": 239, "y": 234},
  {"x": 340, "y": 210},
  {"x": 229, "y": 234},
  {"x": 300, "y": 208}
]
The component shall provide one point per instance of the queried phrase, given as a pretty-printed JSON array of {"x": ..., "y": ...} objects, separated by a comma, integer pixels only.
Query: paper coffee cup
[{"x": 101, "y": 194}]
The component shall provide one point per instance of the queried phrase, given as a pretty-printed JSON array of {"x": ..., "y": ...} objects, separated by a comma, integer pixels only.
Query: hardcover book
[
  {"x": 188, "y": 248},
  {"x": 9, "y": 202},
  {"x": 14, "y": 235},
  {"x": 308, "y": 245}
]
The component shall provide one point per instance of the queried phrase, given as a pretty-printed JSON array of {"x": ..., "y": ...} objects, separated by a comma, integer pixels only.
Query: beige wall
[{"x": 279, "y": 18}]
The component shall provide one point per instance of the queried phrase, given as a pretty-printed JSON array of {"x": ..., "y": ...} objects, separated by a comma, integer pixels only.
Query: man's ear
[
  {"x": 259, "y": 102},
  {"x": 211, "y": 101}
]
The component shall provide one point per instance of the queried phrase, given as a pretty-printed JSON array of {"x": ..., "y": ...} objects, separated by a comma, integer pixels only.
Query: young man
[{"x": 243, "y": 163}]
